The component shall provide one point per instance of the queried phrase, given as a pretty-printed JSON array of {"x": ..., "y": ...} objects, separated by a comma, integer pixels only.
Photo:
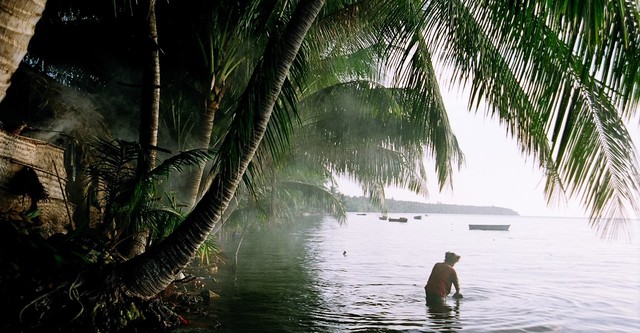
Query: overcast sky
[{"x": 495, "y": 172}]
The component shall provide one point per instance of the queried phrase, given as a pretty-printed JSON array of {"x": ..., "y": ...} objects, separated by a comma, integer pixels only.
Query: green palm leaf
[
  {"x": 179, "y": 161},
  {"x": 553, "y": 91}
]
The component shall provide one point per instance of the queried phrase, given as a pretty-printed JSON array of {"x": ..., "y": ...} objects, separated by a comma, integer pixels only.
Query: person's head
[{"x": 451, "y": 258}]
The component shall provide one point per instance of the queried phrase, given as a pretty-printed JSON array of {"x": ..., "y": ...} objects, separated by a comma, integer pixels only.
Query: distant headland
[{"x": 362, "y": 204}]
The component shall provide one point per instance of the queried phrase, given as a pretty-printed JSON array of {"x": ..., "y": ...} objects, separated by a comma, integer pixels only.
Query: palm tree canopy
[{"x": 562, "y": 77}]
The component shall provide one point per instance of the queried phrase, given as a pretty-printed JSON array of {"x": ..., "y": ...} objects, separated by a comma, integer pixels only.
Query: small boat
[
  {"x": 361, "y": 214},
  {"x": 383, "y": 217},
  {"x": 398, "y": 219},
  {"x": 500, "y": 227},
  {"x": 417, "y": 217}
]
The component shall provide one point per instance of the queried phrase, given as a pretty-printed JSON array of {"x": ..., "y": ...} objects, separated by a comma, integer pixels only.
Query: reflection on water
[
  {"x": 544, "y": 275},
  {"x": 443, "y": 317}
]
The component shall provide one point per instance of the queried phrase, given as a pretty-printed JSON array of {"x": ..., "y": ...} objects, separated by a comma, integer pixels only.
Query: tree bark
[
  {"x": 148, "y": 274},
  {"x": 18, "y": 19},
  {"x": 149, "y": 119},
  {"x": 203, "y": 140},
  {"x": 150, "y": 103}
]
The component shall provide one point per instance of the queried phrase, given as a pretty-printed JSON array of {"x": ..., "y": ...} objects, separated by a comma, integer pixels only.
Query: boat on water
[
  {"x": 500, "y": 227},
  {"x": 417, "y": 217},
  {"x": 398, "y": 219},
  {"x": 383, "y": 217},
  {"x": 361, "y": 214}
]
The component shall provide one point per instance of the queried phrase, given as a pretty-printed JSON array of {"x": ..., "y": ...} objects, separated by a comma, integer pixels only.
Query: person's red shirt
[{"x": 440, "y": 281}]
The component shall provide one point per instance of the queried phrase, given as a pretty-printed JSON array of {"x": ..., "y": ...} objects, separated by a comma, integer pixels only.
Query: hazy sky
[{"x": 495, "y": 173}]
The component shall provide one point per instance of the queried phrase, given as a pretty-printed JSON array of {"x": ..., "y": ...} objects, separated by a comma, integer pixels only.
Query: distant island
[{"x": 362, "y": 204}]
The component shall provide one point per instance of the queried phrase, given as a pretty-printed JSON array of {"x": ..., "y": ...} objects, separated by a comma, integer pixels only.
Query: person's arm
[{"x": 456, "y": 284}]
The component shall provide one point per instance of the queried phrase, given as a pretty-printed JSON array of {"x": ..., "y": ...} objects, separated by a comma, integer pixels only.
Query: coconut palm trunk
[
  {"x": 150, "y": 104},
  {"x": 203, "y": 140},
  {"x": 149, "y": 118},
  {"x": 148, "y": 274},
  {"x": 18, "y": 20}
]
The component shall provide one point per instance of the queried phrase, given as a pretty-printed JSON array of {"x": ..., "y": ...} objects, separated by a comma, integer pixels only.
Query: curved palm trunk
[
  {"x": 148, "y": 274},
  {"x": 18, "y": 20}
]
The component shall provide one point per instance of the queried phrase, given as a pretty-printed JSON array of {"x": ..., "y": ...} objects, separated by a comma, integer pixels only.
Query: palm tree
[
  {"x": 146, "y": 275},
  {"x": 224, "y": 51},
  {"x": 150, "y": 104},
  {"x": 495, "y": 58},
  {"x": 17, "y": 24},
  {"x": 149, "y": 113},
  {"x": 545, "y": 70},
  {"x": 126, "y": 200},
  {"x": 384, "y": 130},
  {"x": 286, "y": 190},
  {"x": 561, "y": 87}
]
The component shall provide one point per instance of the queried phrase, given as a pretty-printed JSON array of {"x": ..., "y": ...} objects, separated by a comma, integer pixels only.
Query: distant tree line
[{"x": 363, "y": 204}]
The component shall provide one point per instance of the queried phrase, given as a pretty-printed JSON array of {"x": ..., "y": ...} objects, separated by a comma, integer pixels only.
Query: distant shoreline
[{"x": 363, "y": 204}]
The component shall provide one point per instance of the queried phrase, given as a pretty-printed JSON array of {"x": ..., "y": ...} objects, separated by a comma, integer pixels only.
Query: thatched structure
[{"x": 16, "y": 195}]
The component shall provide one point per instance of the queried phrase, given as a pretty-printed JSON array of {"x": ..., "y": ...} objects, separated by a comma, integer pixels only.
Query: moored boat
[
  {"x": 500, "y": 227},
  {"x": 397, "y": 219}
]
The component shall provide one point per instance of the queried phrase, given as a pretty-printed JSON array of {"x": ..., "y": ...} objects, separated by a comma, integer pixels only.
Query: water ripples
[{"x": 544, "y": 275}]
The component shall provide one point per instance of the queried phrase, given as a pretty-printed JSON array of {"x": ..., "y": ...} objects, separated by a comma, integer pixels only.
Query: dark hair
[{"x": 451, "y": 257}]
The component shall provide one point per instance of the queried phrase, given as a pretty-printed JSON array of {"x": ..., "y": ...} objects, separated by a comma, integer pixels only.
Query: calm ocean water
[{"x": 543, "y": 275}]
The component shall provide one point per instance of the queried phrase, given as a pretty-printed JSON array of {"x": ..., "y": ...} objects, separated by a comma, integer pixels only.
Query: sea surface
[{"x": 367, "y": 275}]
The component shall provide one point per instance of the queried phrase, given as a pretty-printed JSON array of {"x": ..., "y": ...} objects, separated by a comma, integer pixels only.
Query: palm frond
[
  {"x": 344, "y": 27},
  {"x": 209, "y": 253},
  {"x": 112, "y": 167},
  {"x": 378, "y": 139},
  {"x": 315, "y": 197},
  {"x": 376, "y": 194},
  {"x": 546, "y": 88},
  {"x": 162, "y": 220},
  {"x": 605, "y": 36},
  {"x": 179, "y": 161},
  {"x": 285, "y": 117}
]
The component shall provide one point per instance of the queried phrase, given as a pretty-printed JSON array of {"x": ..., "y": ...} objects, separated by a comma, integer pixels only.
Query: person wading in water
[{"x": 442, "y": 277}]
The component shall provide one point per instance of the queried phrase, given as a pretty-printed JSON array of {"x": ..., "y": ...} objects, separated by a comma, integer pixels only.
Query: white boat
[
  {"x": 399, "y": 219},
  {"x": 500, "y": 227}
]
